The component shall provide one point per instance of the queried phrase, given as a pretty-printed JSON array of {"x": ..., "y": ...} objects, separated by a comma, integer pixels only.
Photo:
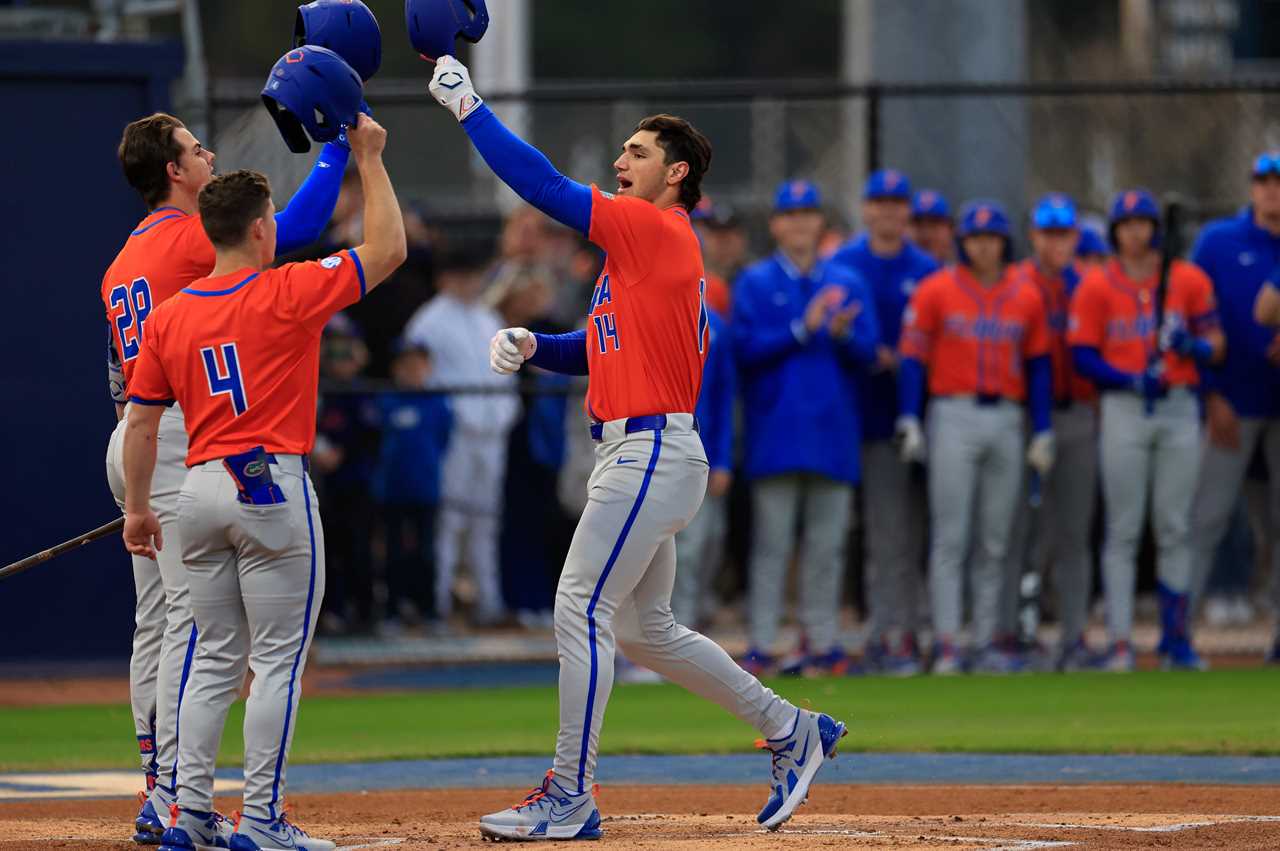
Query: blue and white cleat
[
  {"x": 796, "y": 760},
  {"x": 255, "y": 834},
  {"x": 148, "y": 826},
  {"x": 547, "y": 812},
  {"x": 195, "y": 831}
]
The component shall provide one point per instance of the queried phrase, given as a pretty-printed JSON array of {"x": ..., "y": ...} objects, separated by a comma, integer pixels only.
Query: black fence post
[{"x": 874, "y": 94}]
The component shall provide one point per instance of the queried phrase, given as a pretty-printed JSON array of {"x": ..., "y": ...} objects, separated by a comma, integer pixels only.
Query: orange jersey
[
  {"x": 1056, "y": 295},
  {"x": 719, "y": 298},
  {"x": 166, "y": 252},
  {"x": 241, "y": 354},
  {"x": 1116, "y": 315},
  {"x": 974, "y": 339},
  {"x": 647, "y": 332}
]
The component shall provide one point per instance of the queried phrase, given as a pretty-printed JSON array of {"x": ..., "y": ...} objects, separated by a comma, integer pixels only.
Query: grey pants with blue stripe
[
  {"x": 256, "y": 574},
  {"x": 615, "y": 592}
]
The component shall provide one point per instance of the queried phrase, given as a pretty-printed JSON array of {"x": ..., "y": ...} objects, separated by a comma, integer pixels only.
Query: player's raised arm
[
  {"x": 384, "y": 247},
  {"x": 517, "y": 163},
  {"x": 302, "y": 220}
]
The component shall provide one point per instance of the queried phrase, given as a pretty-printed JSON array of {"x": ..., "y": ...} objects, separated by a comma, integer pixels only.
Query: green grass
[{"x": 1221, "y": 712}]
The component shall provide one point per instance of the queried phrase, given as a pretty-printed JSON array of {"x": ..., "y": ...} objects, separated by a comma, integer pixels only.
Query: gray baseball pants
[
  {"x": 615, "y": 590},
  {"x": 1146, "y": 457},
  {"x": 895, "y": 508},
  {"x": 257, "y": 579}
]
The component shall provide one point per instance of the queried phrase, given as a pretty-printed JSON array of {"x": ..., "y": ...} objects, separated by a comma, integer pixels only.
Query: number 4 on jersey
[{"x": 224, "y": 377}]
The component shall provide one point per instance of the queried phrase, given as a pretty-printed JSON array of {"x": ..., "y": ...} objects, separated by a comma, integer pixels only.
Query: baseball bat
[
  {"x": 65, "y": 547},
  {"x": 1171, "y": 249}
]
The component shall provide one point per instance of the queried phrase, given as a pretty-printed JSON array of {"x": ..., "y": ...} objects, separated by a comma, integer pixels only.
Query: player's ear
[
  {"x": 677, "y": 172},
  {"x": 172, "y": 169}
]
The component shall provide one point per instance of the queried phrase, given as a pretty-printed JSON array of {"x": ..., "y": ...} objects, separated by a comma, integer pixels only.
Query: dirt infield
[{"x": 722, "y": 817}]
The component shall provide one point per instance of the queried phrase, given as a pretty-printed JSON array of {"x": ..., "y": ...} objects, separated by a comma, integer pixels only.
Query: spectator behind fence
[
  {"x": 706, "y": 218},
  {"x": 802, "y": 331},
  {"x": 932, "y": 227},
  {"x": 456, "y": 326},
  {"x": 700, "y": 545},
  {"x": 406, "y": 483},
  {"x": 535, "y": 530},
  {"x": 345, "y": 450},
  {"x": 724, "y": 244},
  {"x": 894, "y": 503},
  {"x": 1242, "y": 394}
]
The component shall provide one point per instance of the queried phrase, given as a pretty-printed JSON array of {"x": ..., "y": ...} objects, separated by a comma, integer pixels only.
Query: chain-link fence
[{"x": 1008, "y": 141}]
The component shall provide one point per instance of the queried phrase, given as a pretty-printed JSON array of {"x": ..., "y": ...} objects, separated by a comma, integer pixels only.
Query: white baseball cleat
[
  {"x": 254, "y": 834},
  {"x": 796, "y": 760},
  {"x": 547, "y": 812}
]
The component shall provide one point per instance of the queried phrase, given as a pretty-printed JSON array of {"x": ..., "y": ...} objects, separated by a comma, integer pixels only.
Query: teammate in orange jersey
[
  {"x": 1150, "y": 429},
  {"x": 643, "y": 349},
  {"x": 166, "y": 251},
  {"x": 239, "y": 351},
  {"x": 1064, "y": 522},
  {"x": 979, "y": 331}
]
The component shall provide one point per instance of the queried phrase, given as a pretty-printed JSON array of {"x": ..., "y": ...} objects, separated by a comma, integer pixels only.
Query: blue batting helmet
[
  {"x": 887, "y": 183},
  {"x": 1054, "y": 211},
  {"x": 312, "y": 91},
  {"x": 979, "y": 217},
  {"x": 434, "y": 25},
  {"x": 1091, "y": 243},
  {"x": 1134, "y": 204},
  {"x": 930, "y": 204},
  {"x": 797, "y": 195},
  {"x": 346, "y": 27}
]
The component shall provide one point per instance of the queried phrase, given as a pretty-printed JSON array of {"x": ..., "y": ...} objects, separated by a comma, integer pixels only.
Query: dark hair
[
  {"x": 682, "y": 142},
  {"x": 230, "y": 203},
  {"x": 146, "y": 149}
]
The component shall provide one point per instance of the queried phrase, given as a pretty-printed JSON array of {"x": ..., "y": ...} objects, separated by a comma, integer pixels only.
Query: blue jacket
[
  {"x": 715, "y": 402},
  {"x": 415, "y": 432},
  {"x": 1238, "y": 257},
  {"x": 892, "y": 281},
  {"x": 800, "y": 393}
]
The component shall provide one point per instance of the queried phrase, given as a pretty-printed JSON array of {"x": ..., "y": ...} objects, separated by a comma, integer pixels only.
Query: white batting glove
[
  {"x": 510, "y": 348},
  {"x": 451, "y": 86},
  {"x": 1041, "y": 452},
  {"x": 909, "y": 437}
]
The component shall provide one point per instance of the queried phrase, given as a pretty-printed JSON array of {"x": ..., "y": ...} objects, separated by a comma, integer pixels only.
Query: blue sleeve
[
  {"x": 717, "y": 438},
  {"x": 528, "y": 172},
  {"x": 755, "y": 341},
  {"x": 1089, "y": 363},
  {"x": 862, "y": 343},
  {"x": 562, "y": 353},
  {"x": 910, "y": 387},
  {"x": 302, "y": 220},
  {"x": 1040, "y": 393}
]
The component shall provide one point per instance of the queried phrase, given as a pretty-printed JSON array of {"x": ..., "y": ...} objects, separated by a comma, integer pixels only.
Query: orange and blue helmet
[
  {"x": 346, "y": 27},
  {"x": 981, "y": 217},
  {"x": 1134, "y": 204},
  {"x": 312, "y": 91},
  {"x": 434, "y": 25}
]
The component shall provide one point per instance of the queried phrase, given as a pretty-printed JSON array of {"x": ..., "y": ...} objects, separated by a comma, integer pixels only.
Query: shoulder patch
[{"x": 331, "y": 262}]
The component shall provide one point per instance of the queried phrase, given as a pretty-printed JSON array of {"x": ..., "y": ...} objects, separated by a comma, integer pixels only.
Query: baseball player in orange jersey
[
  {"x": 1064, "y": 521},
  {"x": 643, "y": 349},
  {"x": 165, "y": 252},
  {"x": 979, "y": 331},
  {"x": 1150, "y": 426},
  {"x": 239, "y": 352}
]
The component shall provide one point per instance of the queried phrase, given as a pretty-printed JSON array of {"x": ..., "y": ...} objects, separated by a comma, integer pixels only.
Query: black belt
[
  {"x": 1063, "y": 404},
  {"x": 651, "y": 422},
  {"x": 986, "y": 400}
]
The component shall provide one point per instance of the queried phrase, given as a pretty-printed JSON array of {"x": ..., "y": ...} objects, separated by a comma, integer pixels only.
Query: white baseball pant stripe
[
  {"x": 164, "y": 633},
  {"x": 975, "y": 461},
  {"x": 1146, "y": 457},
  {"x": 616, "y": 590},
  {"x": 257, "y": 580}
]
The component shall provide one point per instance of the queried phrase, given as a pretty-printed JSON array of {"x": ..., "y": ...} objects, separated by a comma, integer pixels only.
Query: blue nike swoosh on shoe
[
  {"x": 558, "y": 817},
  {"x": 626, "y": 460},
  {"x": 804, "y": 751}
]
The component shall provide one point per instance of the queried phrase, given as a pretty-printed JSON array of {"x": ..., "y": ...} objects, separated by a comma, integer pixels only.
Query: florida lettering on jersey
[
  {"x": 974, "y": 339},
  {"x": 1116, "y": 315},
  {"x": 226, "y": 349},
  {"x": 164, "y": 253},
  {"x": 647, "y": 328}
]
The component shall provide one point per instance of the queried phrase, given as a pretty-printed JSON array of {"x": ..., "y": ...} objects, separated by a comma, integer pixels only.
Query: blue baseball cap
[
  {"x": 1267, "y": 164},
  {"x": 930, "y": 204},
  {"x": 887, "y": 183},
  {"x": 1091, "y": 243},
  {"x": 1054, "y": 211},
  {"x": 797, "y": 195},
  {"x": 983, "y": 217}
]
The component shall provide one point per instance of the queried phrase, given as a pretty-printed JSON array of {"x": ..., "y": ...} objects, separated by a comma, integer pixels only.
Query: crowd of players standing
[{"x": 1047, "y": 383}]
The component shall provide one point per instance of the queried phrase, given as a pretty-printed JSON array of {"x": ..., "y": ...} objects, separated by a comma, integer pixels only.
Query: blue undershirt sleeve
[
  {"x": 528, "y": 172},
  {"x": 1040, "y": 393},
  {"x": 562, "y": 353},
  {"x": 910, "y": 387},
  {"x": 302, "y": 220},
  {"x": 1089, "y": 363}
]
